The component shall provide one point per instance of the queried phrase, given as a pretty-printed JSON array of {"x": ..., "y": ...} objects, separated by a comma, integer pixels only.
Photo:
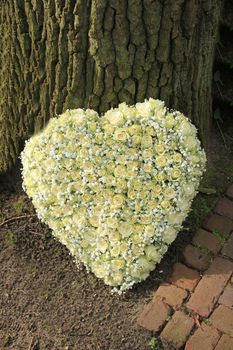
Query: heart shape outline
[{"x": 115, "y": 189}]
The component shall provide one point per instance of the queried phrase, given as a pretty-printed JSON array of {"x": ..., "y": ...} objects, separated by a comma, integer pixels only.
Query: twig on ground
[
  {"x": 196, "y": 320},
  {"x": 34, "y": 344},
  {"x": 16, "y": 218}
]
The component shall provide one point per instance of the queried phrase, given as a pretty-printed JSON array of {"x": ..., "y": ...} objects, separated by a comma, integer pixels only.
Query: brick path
[{"x": 193, "y": 309}]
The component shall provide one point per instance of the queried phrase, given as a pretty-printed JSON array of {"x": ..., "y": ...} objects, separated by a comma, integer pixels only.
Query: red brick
[
  {"x": 210, "y": 287},
  {"x": 204, "y": 338},
  {"x": 207, "y": 240},
  {"x": 225, "y": 343},
  {"x": 194, "y": 257},
  {"x": 227, "y": 297},
  {"x": 222, "y": 318},
  {"x": 219, "y": 223},
  {"x": 184, "y": 277},
  {"x": 224, "y": 207},
  {"x": 229, "y": 191},
  {"x": 171, "y": 294},
  {"x": 177, "y": 330},
  {"x": 228, "y": 248},
  {"x": 154, "y": 315}
]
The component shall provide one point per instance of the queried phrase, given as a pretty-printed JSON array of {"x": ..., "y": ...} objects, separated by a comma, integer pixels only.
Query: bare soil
[{"x": 47, "y": 303}]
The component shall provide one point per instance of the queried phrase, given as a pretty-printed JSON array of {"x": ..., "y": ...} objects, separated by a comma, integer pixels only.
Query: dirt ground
[{"x": 46, "y": 303}]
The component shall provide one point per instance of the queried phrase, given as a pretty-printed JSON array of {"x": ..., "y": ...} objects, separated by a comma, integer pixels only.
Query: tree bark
[{"x": 59, "y": 54}]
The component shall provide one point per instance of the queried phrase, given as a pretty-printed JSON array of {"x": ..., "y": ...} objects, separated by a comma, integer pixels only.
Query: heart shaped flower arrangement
[{"x": 115, "y": 189}]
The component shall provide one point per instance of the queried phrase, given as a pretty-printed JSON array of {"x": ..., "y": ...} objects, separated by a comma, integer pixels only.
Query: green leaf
[{"x": 207, "y": 190}]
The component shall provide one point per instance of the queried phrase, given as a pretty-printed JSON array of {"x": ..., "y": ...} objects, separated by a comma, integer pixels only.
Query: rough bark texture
[
  {"x": 59, "y": 54},
  {"x": 223, "y": 68}
]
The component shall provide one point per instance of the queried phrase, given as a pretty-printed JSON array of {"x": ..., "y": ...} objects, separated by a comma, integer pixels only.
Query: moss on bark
[{"x": 98, "y": 53}]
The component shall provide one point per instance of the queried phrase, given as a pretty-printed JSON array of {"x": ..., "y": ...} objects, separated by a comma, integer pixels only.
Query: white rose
[
  {"x": 159, "y": 148},
  {"x": 120, "y": 171},
  {"x": 135, "y": 129},
  {"x": 190, "y": 142},
  {"x": 99, "y": 270},
  {"x": 147, "y": 154},
  {"x": 146, "y": 141},
  {"x": 161, "y": 161},
  {"x": 169, "y": 235},
  {"x": 183, "y": 205},
  {"x": 115, "y": 251},
  {"x": 189, "y": 189},
  {"x": 102, "y": 245},
  {"x": 114, "y": 236},
  {"x": 118, "y": 264},
  {"x": 115, "y": 118},
  {"x": 136, "y": 239},
  {"x": 175, "y": 218},
  {"x": 176, "y": 173},
  {"x": 117, "y": 278},
  {"x": 92, "y": 115},
  {"x": 144, "y": 109},
  {"x": 79, "y": 115},
  {"x": 121, "y": 135},
  {"x": 169, "y": 192},
  {"x": 152, "y": 253},
  {"x": 136, "y": 140},
  {"x": 156, "y": 104},
  {"x": 187, "y": 129},
  {"x": 125, "y": 229},
  {"x": 94, "y": 220},
  {"x": 118, "y": 200},
  {"x": 108, "y": 128},
  {"x": 112, "y": 222},
  {"x": 145, "y": 264},
  {"x": 165, "y": 204},
  {"x": 169, "y": 121},
  {"x": 149, "y": 231}
]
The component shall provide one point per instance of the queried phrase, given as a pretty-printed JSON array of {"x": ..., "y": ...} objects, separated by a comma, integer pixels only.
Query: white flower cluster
[{"x": 115, "y": 189}]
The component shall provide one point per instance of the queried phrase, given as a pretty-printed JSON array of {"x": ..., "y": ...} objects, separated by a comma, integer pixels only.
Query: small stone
[
  {"x": 171, "y": 295},
  {"x": 222, "y": 318},
  {"x": 177, "y": 330},
  {"x": 154, "y": 315},
  {"x": 184, "y": 277}
]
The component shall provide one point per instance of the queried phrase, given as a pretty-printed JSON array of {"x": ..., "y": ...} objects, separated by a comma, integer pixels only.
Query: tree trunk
[{"x": 59, "y": 54}]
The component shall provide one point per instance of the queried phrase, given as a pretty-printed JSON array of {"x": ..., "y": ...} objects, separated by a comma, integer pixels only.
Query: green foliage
[
  {"x": 203, "y": 249},
  {"x": 20, "y": 205},
  {"x": 201, "y": 206},
  {"x": 10, "y": 239},
  {"x": 221, "y": 237},
  {"x": 154, "y": 343},
  {"x": 206, "y": 321}
]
